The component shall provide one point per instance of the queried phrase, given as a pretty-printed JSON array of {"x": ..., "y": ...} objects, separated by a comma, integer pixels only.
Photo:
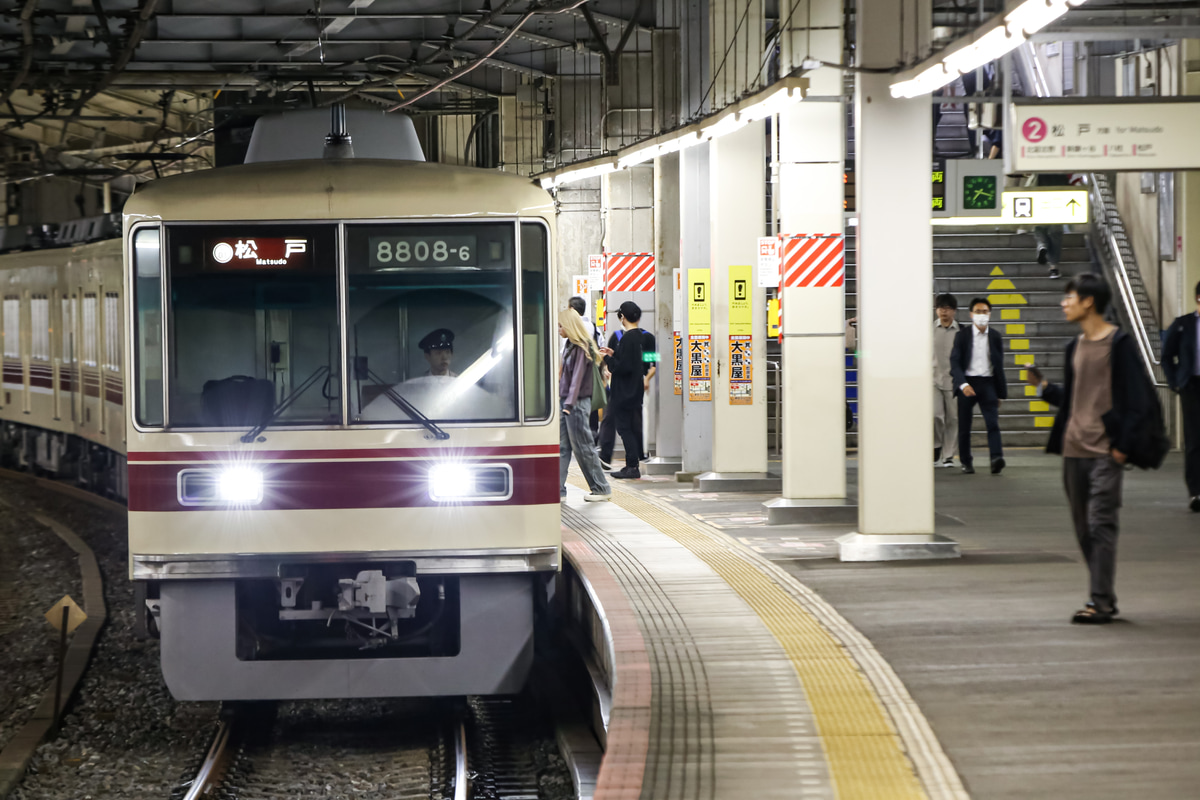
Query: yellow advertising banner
[
  {"x": 741, "y": 303},
  {"x": 741, "y": 370},
  {"x": 700, "y": 367},
  {"x": 699, "y": 300},
  {"x": 678, "y": 364}
]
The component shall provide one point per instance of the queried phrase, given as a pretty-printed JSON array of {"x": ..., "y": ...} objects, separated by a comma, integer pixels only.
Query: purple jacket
[{"x": 576, "y": 378}]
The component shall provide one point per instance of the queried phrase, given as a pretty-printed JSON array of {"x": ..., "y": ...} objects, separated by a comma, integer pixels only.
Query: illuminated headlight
[
  {"x": 482, "y": 482},
  {"x": 243, "y": 485}
]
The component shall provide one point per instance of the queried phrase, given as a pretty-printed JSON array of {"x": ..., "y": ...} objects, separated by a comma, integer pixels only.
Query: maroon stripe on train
[
  {"x": 248, "y": 454},
  {"x": 330, "y": 485},
  {"x": 41, "y": 381},
  {"x": 13, "y": 373},
  {"x": 115, "y": 396}
]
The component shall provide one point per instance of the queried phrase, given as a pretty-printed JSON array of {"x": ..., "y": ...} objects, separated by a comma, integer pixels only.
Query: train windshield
[
  {"x": 254, "y": 321},
  {"x": 430, "y": 322}
]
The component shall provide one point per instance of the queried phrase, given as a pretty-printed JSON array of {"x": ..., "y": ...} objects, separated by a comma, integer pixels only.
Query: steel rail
[
  {"x": 210, "y": 771},
  {"x": 461, "y": 780}
]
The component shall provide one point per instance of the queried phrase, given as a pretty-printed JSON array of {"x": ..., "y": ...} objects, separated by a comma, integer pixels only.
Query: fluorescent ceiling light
[
  {"x": 772, "y": 100},
  {"x": 987, "y": 44}
]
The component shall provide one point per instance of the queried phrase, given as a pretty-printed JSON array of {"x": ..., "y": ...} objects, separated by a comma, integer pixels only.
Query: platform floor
[{"x": 1025, "y": 704}]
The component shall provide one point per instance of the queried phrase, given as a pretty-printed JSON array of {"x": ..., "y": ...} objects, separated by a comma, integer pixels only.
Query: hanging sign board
[
  {"x": 1044, "y": 206},
  {"x": 768, "y": 262},
  {"x": 1102, "y": 137},
  {"x": 596, "y": 272},
  {"x": 741, "y": 364},
  {"x": 741, "y": 303}
]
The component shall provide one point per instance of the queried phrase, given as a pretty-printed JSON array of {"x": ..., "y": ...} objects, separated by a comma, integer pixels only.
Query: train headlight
[
  {"x": 449, "y": 482},
  {"x": 242, "y": 485}
]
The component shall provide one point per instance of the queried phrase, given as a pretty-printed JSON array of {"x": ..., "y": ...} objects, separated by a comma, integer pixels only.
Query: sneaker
[
  {"x": 627, "y": 474},
  {"x": 1054, "y": 273},
  {"x": 597, "y": 498},
  {"x": 605, "y": 465},
  {"x": 949, "y": 462},
  {"x": 1091, "y": 615},
  {"x": 1194, "y": 505},
  {"x": 968, "y": 469},
  {"x": 1043, "y": 254},
  {"x": 997, "y": 465}
]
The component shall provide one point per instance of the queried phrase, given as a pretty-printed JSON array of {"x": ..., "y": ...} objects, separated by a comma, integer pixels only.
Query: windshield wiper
[
  {"x": 285, "y": 404},
  {"x": 408, "y": 407}
]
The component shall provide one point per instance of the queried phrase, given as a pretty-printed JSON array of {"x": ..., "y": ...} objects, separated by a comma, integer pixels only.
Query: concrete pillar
[
  {"x": 694, "y": 249},
  {"x": 895, "y": 275},
  {"x": 668, "y": 441},
  {"x": 811, "y": 200},
  {"x": 739, "y": 406},
  {"x": 1188, "y": 187}
]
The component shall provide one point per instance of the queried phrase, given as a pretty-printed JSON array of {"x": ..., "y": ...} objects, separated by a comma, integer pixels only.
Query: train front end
[{"x": 343, "y": 450}]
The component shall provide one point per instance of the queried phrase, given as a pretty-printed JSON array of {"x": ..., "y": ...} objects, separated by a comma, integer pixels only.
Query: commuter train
[{"x": 323, "y": 501}]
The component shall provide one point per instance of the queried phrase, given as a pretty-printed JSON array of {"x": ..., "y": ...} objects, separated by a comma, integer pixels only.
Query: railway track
[{"x": 473, "y": 750}]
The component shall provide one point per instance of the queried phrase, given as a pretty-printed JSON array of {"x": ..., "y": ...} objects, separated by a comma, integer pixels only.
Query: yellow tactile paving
[{"x": 866, "y": 756}]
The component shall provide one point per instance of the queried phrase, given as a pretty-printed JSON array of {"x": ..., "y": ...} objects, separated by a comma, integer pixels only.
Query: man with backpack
[{"x": 1108, "y": 416}]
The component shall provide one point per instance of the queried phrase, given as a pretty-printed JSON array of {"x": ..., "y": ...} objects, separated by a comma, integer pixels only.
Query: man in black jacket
[
  {"x": 626, "y": 364},
  {"x": 1183, "y": 375},
  {"x": 1103, "y": 408},
  {"x": 977, "y": 366}
]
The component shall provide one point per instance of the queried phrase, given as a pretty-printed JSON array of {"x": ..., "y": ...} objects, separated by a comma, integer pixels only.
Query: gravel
[{"x": 123, "y": 736}]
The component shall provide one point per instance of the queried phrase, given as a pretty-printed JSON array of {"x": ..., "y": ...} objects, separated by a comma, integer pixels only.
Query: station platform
[{"x": 776, "y": 670}]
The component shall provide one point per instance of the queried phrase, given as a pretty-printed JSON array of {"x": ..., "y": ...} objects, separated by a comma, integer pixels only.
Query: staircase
[{"x": 1001, "y": 265}]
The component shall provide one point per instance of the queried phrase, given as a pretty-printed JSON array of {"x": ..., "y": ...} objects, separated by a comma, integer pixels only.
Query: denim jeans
[{"x": 575, "y": 436}]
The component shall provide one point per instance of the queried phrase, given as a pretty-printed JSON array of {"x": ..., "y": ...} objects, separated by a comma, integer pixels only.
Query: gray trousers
[
  {"x": 1094, "y": 494},
  {"x": 945, "y": 422},
  {"x": 574, "y": 436}
]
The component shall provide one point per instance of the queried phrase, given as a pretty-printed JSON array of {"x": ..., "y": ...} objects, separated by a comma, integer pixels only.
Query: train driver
[{"x": 438, "y": 347}]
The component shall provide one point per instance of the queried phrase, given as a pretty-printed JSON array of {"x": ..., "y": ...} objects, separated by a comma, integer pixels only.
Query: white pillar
[
  {"x": 694, "y": 247},
  {"x": 737, "y": 191},
  {"x": 895, "y": 279},
  {"x": 668, "y": 450}
]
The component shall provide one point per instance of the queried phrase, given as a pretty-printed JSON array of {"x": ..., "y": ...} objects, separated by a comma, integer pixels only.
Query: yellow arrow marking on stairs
[
  {"x": 997, "y": 271},
  {"x": 1010, "y": 313},
  {"x": 1018, "y": 344},
  {"x": 999, "y": 285},
  {"x": 1007, "y": 300},
  {"x": 1043, "y": 422},
  {"x": 1023, "y": 359},
  {"x": 1014, "y": 330},
  {"x": 1030, "y": 391},
  {"x": 1038, "y": 405}
]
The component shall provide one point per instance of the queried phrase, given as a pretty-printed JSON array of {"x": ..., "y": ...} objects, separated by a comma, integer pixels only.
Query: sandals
[{"x": 1091, "y": 615}]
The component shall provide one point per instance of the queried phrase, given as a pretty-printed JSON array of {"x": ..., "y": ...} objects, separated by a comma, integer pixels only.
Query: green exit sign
[{"x": 980, "y": 192}]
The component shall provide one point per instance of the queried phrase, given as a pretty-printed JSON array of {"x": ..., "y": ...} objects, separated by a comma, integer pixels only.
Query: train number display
[{"x": 420, "y": 252}]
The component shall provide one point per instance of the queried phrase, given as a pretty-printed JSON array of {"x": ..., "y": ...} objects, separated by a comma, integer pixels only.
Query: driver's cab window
[
  {"x": 254, "y": 325},
  {"x": 430, "y": 322}
]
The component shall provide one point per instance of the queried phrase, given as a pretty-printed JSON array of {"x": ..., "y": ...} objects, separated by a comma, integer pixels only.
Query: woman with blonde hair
[{"x": 575, "y": 401}]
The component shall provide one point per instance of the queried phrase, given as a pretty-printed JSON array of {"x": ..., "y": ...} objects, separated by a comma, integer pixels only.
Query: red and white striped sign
[
  {"x": 817, "y": 259},
  {"x": 630, "y": 272}
]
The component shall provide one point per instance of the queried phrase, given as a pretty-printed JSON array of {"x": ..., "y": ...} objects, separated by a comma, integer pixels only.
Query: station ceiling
[{"x": 82, "y": 79}]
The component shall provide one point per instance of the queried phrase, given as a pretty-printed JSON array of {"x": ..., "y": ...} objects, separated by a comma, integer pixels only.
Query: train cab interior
[{"x": 254, "y": 324}]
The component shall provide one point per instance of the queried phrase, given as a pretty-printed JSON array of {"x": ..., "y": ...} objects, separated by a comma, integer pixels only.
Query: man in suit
[
  {"x": 1183, "y": 375},
  {"x": 977, "y": 366}
]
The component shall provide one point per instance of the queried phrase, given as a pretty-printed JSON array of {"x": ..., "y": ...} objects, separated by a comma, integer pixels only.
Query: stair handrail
[{"x": 1115, "y": 261}]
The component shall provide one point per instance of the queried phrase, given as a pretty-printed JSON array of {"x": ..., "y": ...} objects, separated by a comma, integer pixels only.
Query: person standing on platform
[
  {"x": 977, "y": 364},
  {"x": 1105, "y": 405},
  {"x": 1180, "y": 362},
  {"x": 627, "y": 365},
  {"x": 579, "y": 306},
  {"x": 945, "y": 406},
  {"x": 575, "y": 398}
]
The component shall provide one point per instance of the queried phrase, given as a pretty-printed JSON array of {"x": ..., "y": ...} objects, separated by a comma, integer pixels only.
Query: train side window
[
  {"x": 89, "y": 329},
  {"x": 39, "y": 309},
  {"x": 535, "y": 351},
  {"x": 12, "y": 327},
  {"x": 147, "y": 327}
]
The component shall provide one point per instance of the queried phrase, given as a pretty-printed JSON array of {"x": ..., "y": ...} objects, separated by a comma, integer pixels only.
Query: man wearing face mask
[{"x": 977, "y": 365}]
